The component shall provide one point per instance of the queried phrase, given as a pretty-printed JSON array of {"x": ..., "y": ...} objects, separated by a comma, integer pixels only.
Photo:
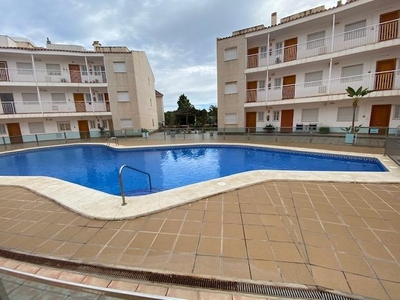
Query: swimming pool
[{"x": 96, "y": 166}]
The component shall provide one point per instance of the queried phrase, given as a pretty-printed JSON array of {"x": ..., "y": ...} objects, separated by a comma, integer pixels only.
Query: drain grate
[{"x": 183, "y": 280}]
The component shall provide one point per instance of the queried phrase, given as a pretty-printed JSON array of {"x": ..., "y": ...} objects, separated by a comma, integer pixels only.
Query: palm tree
[{"x": 356, "y": 95}]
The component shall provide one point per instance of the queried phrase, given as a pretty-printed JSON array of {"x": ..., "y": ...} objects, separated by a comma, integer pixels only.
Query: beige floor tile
[
  {"x": 234, "y": 248},
  {"x": 72, "y": 277},
  {"x": 363, "y": 234},
  {"x": 114, "y": 224},
  {"x": 177, "y": 214},
  {"x": 208, "y": 265},
  {"x": 306, "y": 213},
  {"x": 122, "y": 239},
  {"x": 66, "y": 233},
  {"x": 311, "y": 225},
  {"x": 210, "y": 246},
  {"x": 135, "y": 224},
  {"x": 48, "y": 247},
  {"x": 231, "y": 207},
  {"x": 286, "y": 252},
  {"x": 374, "y": 250},
  {"x": 152, "y": 225},
  {"x": 102, "y": 236},
  {"x": 323, "y": 258},
  {"x": 31, "y": 243},
  {"x": 378, "y": 224},
  {"x": 186, "y": 244},
  {"x": 329, "y": 217},
  {"x": 51, "y": 273},
  {"x": 233, "y": 231},
  {"x": 13, "y": 241},
  {"x": 67, "y": 249},
  {"x": 394, "y": 250},
  {"x": 354, "y": 221},
  {"x": 88, "y": 252},
  {"x": 365, "y": 286},
  {"x": 295, "y": 273},
  {"x": 316, "y": 239},
  {"x": 264, "y": 270},
  {"x": 386, "y": 270},
  {"x": 251, "y": 219},
  {"x": 255, "y": 232},
  {"x": 143, "y": 240},
  {"x": 110, "y": 255},
  {"x": 259, "y": 250},
  {"x": 248, "y": 208},
  {"x": 164, "y": 242},
  {"x": 183, "y": 293},
  {"x": 231, "y": 218},
  {"x": 388, "y": 237},
  {"x": 214, "y": 206},
  {"x": 123, "y": 285},
  {"x": 345, "y": 245},
  {"x": 171, "y": 226},
  {"x": 101, "y": 282},
  {"x": 273, "y": 221},
  {"x": 214, "y": 296},
  {"x": 392, "y": 288},
  {"x": 235, "y": 268},
  {"x": 132, "y": 257},
  {"x": 278, "y": 234},
  {"x": 213, "y": 217},
  {"x": 330, "y": 279},
  {"x": 212, "y": 230},
  {"x": 266, "y": 209},
  {"x": 355, "y": 264},
  {"x": 191, "y": 228},
  {"x": 345, "y": 210},
  {"x": 156, "y": 260},
  {"x": 181, "y": 263},
  {"x": 84, "y": 235}
]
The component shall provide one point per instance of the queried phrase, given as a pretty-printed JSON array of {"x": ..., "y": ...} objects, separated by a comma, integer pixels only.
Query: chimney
[
  {"x": 339, "y": 3},
  {"x": 274, "y": 17},
  {"x": 96, "y": 44}
]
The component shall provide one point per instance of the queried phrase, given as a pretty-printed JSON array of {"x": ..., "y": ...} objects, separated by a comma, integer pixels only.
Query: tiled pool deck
[{"x": 337, "y": 235}]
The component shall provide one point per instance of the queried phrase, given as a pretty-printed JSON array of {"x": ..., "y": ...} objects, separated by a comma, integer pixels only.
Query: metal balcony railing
[{"x": 346, "y": 40}]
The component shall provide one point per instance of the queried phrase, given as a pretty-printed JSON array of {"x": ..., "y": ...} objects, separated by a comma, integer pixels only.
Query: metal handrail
[{"x": 121, "y": 184}]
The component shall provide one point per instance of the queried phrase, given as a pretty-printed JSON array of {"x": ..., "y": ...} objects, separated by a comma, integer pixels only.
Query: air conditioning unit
[
  {"x": 322, "y": 89},
  {"x": 322, "y": 50}
]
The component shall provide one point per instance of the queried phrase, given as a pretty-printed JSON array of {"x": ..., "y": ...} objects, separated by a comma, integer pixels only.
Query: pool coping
[{"x": 99, "y": 205}]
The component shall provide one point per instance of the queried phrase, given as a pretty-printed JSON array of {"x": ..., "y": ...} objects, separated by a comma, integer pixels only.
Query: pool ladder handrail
[{"x": 121, "y": 184}]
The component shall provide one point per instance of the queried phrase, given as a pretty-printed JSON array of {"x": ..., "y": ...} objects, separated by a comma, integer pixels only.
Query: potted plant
[
  {"x": 145, "y": 133},
  {"x": 269, "y": 128},
  {"x": 351, "y": 132}
]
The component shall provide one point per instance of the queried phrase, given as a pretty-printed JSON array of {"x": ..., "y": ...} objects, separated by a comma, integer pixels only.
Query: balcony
[
  {"x": 347, "y": 40},
  {"x": 51, "y": 76},
  {"x": 19, "y": 107},
  {"x": 378, "y": 81}
]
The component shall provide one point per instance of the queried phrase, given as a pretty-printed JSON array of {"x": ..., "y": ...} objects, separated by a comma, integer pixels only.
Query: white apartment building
[
  {"x": 294, "y": 74},
  {"x": 67, "y": 91}
]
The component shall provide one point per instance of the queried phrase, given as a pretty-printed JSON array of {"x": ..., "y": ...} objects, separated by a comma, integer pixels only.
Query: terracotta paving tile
[
  {"x": 374, "y": 250},
  {"x": 214, "y": 206},
  {"x": 355, "y": 264},
  {"x": 197, "y": 205},
  {"x": 48, "y": 247},
  {"x": 181, "y": 263},
  {"x": 392, "y": 288},
  {"x": 13, "y": 241},
  {"x": 231, "y": 218},
  {"x": 330, "y": 278},
  {"x": 10, "y": 264},
  {"x": 273, "y": 221},
  {"x": 35, "y": 228},
  {"x": 345, "y": 245},
  {"x": 255, "y": 232},
  {"x": 132, "y": 257},
  {"x": 264, "y": 270},
  {"x": 152, "y": 289},
  {"x": 96, "y": 281},
  {"x": 67, "y": 249},
  {"x": 386, "y": 270},
  {"x": 171, "y": 226},
  {"x": 122, "y": 238},
  {"x": 323, "y": 258},
  {"x": 28, "y": 268},
  {"x": 152, "y": 225},
  {"x": 164, "y": 242},
  {"x": 31, "y": 243},
  {"x": 378, "y": 224},
  {"x": 115, "y": 224},
  {"x": 52, "y": 273},
  {"x": 212, "y": 230},
  {"x": 66, "y": 233},
  {"x": 87, "y": 252},
  {"x": 182, "y": 293},
  {"x": 388, "y": 237},
  {"x": 186, "y": 244},
  {"x": 365, "y": 286},
  {"x": 210, "y": 246},
  {"x": 110, "y": 255},
  {"x": 191, "y": 228},
  {"x": 156, "y": 260},
  {"x": 102, "y": 236},
  {"x": 214, "y": 296},
  {"x": 234, "y": 248},
  {"x": 177, "y": 214},
  {"x": 233, "y": 231},
  {"x": 73, "y": 277},
  {"x": 135, "y": 224},
  {"x": 235, "y": 268},
  {"x": 354, "y": 221},
  {"x": 80, "y": 221},
  {"x": 213, "y": 217},
  {"x": 286, "y": 252},
  {"x": 19, "y": 227},
  {"x": 123, "y": 285},
  {"x": 84, "y": 235},
  {"x": 251, "y": 219},
  {"x": 96, "y": 223},
  {"x": 231, "y": 207},
  {"x": 316, "y": 239},
  {"x": 208, "y": 265},
  {"x": 143, "y": 240},
  {"x": 259, "y": 250},
  {"x": 295, "y": 273}
]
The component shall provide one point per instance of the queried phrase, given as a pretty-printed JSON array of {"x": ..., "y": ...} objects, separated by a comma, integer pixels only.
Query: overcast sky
[{"x": 178, "y": 36}]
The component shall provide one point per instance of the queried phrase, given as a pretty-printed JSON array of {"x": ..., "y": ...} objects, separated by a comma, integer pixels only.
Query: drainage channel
[{"x": 182, "y": 280}]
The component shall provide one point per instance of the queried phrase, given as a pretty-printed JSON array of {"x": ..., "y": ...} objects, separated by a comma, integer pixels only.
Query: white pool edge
[{"x": 98, "y": 205}]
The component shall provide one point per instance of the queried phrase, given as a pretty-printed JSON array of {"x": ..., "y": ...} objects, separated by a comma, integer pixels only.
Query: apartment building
[
  {"x": 294, "y": 74},
  {"x": 63, "y": 91}
]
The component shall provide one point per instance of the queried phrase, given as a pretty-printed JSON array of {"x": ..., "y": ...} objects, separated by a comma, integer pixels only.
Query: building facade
[
  {"x": 294, "y": 74},
  {"x": 66, "y": 90}
]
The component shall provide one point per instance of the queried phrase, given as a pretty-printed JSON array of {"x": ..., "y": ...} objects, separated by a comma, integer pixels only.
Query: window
[
  {"x": 260, "y": 116},
  {"x": 104, "y": 124},
  {"x": 3, "y": 129},
  {"x": 315, "y": 40},
  {"x": 29, "y": 98},
  {"x": 36, "y": 127},
  {"x": 345, "y": 114},
  {"x": 231, "y": 118},
  {"x": 352, "y": 73},
  {"x": 58, "y": 98},
  {"x": 119, "y": 67},
  {"x": 278, "y": 48},
  {"x": 313, "y": 79},
  {"x": 92, "y": 124},
  {"x": 64, "y": 126},
  {"x": 84, "y": 70},
  {"x": 276, "y": 115},
  {"x": 53, "y": 69},
  {"x": 97, "y": 70},
  {"x": 355, "y": 30},
  {"x": 123, "y": 96},
  {"x": 261, "y": 85},
  {"x": 100, "y": 98},
  {"x": 231, "y": 87},
  {"x": 88, "y": 98},
  {"x": 263, "y": 52},
  {"x": 277, "y": 83},
  {"x": 309, "y": 115},
  {"x": 24, "y": 68},
  {"x": 396, "y": 114},
  {"x": 230, "y": 54},
  {"x": 126, "y": 123}
]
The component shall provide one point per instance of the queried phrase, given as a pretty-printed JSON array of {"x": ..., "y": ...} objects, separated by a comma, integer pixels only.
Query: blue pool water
[{"x": 97, "y": 166}]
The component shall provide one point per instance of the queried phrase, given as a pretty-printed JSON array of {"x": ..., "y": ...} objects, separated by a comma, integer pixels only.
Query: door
[
  {"x": 7, "y": 103},
  {"x": 107, "y": 100},
  {"x": 287, "y": 120},
  {"x": 79, "y": 100},
  {"x": 103, "y": 74},
  {"x": 384, "y": 75},
  {"x": 380, "y": 117},
  {"x": 290, "y": 49},
  {"x": 288, "y": 89},
  {"x": 4, "y": 71},
  {"x": 83, "y": 129},
  {"x": 251, "y": 91},
  {"x": 14, "y": 132},
  {"x": 252, "y": 58},
  {"x": 388, "y": 26},
  {"x": 75, "y": 73},
  {"x": 251, "y": 118}
]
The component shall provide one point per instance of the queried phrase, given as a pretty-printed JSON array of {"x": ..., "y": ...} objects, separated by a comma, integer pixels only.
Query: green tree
[
  {"x": 213, "y": 114},
  {"x": 185, "y": 108},
  {"x": 356, "y": 95}
]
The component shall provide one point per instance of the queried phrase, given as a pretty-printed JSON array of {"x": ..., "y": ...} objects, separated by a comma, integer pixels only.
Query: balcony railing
[
  {"x": 378, "y": 81},
  {"x": 20, "y": 107},
  {"x": 342, "y": 41},
  {"x": 52, "y": 76}
]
